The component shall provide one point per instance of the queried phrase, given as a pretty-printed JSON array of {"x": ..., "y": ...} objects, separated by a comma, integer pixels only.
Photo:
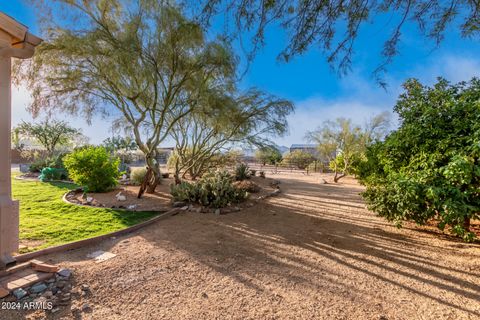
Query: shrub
[
  {"x": 261, "y": 174},
  {"x": 213, "y": 189},
  {"x": 49, "y": 162},
  {"x": 242, "y": 172},
  {"x": 93, "y": 168},
  {"x": 138, "y": 175},
  {"x": 298, "y": 159},
  {"x": 49, "y": 174},
  {"x": 247, "y": 186},
  {"x": 253, "y": 172}
]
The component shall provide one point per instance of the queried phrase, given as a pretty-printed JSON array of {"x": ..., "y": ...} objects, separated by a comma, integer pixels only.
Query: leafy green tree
[
  {"x": 430, "y": 167},
  {"x": 143, "y": 62},
  {"x": 334, "y": 25},
  {"x": 116, "y": 143},
  {"x": 342, "y": 144},
  {"x": 268, "y": 155},
  {"x": 298, "y": 158},
  {"x": 49, "y": 133}
]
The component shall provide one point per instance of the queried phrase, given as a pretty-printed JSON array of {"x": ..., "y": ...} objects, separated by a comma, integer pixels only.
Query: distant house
[{"x": 309, "y": 148}]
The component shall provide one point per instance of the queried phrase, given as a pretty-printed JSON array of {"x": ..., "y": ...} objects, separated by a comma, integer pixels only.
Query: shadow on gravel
[{"x": 321, "y": 236}]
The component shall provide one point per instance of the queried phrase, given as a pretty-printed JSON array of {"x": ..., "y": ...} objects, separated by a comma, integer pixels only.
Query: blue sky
[{"x": 318, "y": 92}]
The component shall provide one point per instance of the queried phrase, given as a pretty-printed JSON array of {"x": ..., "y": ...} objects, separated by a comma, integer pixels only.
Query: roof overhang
[{"x": 15, "y": 40}]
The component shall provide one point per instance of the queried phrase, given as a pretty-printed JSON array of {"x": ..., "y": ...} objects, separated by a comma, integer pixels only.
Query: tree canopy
[
  {"x": 268, "y": 155},
  {"x": 341, "y": 143},
  {"x": 141, "y": 61},
  {"x": 430, "y": 167},
  {"x": 334, "y": 25},
  {"x": 49, "y": 133},
  {"x": 232, "y": 120}
]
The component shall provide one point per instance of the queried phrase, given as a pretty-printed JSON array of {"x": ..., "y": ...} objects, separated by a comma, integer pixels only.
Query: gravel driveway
[{"x": 313, "y": 252}]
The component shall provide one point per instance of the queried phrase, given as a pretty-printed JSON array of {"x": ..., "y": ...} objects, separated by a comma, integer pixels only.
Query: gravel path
[{"x": 313, "y": 252}]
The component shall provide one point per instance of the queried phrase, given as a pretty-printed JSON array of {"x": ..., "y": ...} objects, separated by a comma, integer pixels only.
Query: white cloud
[{"x": 360, "y": 99}]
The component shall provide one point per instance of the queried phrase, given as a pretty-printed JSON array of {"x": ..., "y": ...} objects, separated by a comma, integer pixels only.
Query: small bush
[
  {"x": 247, "y": 186},
  {"x": 49, "y": 174},
  {"x": 213, "y": 189},
  {"x": 49, "y": 162},
  {"x": 253, "y": 172},
  {"x": 93, "y": 168},
  {"x": 242, "y": 172},
  {"x": 138, "y": 175},
  {"x": 261, "y": 174}
]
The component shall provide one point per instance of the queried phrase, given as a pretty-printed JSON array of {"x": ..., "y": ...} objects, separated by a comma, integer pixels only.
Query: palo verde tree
[
  {"x": 49, "y": 133},
  {"x": 334, "y": 25},
  {"x": 342, "y": 144},
  {"x": 268, "y": 155},
  {"x": 429, "y": 168},
  {"x": 231, "y": 120},
  {"x": 298, "y": 158},
  {"x": 141, "y": 61}
]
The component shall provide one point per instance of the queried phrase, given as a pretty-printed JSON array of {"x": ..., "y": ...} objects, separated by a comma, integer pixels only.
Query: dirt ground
[{"x": 314, "y": 252}]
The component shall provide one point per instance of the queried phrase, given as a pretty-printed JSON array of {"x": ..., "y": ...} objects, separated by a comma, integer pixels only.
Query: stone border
[
  {"x": 85, "y": 242},
  {"x": 64, "y": 199}
]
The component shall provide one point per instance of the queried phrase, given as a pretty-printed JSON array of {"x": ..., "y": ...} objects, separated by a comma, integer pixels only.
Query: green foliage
[
  {"x": 213, "y": 189},
  {"x": 49, "y": 133},
  {"x": 242, "y": 172},
  {"x": 118, "y": 143},
  {"x": 49, "y": 162},
  {"x": 143, "y": 60},
  {"x": 93, "y": 168},
  {"x": 138, "y": 175},
  {"x": 47, "y": 219},
  {"x": 49, "y": 174},
  {"x": 298, "y": 159},
  {"x": 429, "y": 167},
  {"x": 316, "y": 166},
  {"x": 342, "y": 144},
  {"x": 268, "y": 155}
]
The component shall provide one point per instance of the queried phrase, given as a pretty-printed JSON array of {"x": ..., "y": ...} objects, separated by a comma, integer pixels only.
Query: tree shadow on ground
[{"x": 295, "y": 239}]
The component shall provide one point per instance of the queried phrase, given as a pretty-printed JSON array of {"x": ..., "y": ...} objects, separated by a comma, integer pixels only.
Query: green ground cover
[{"x": 45, "y": 220}]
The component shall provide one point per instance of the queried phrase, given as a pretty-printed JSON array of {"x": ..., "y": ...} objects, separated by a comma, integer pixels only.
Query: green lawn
[{"x": 45, "y": 220}]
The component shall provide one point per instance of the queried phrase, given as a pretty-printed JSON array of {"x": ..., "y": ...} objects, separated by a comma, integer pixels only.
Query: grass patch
[{"x": 45, "y": 220}]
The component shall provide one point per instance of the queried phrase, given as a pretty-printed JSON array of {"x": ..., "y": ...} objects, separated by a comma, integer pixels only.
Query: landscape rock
[
  {"x": 39, "y": 287},
  {"x": 178, "y": 204},
  {"x": 19, "y": 293},
  {"x": 217, "y": 212},
  {"x": 120, "y": 197},
  {"x": 65, "y": 273},
  {"x": 86, "y": 307}
]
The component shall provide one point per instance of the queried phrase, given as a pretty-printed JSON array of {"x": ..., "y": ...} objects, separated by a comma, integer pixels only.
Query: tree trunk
[
  {"x": 466, "y": 224},
  {"x": 177, "y": 173},
  {"x": 338, "y": 177},
  {"x": 153, "y": 176},
  {"x": 143, "y": 186}
]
